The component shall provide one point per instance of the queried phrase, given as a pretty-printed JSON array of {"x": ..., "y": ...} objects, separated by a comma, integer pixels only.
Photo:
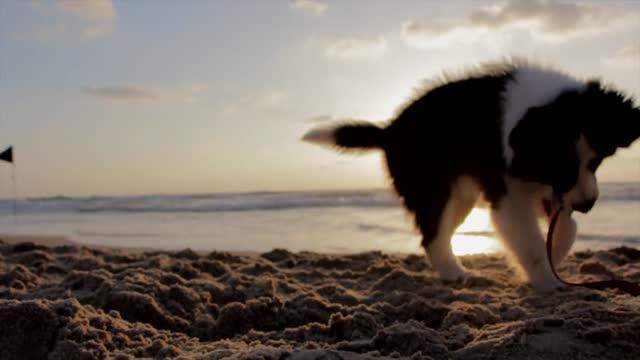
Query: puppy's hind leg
[
  {"x": 437, "y": 218},
  {"x": 465, "y": 193}
]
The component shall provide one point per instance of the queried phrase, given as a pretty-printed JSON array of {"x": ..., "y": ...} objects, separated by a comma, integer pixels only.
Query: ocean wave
[{"x": 203, "y": 203}]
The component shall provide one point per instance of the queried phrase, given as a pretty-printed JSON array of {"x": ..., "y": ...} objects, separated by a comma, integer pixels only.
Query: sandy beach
[{"x": 64, "y": 301}]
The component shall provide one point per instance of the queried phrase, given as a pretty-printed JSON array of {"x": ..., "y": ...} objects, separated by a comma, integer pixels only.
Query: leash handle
[{"x": 626, "y": 286}]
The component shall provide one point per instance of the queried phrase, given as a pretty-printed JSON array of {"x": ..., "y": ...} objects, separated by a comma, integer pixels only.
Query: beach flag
[{"x": 7, "y": 155}]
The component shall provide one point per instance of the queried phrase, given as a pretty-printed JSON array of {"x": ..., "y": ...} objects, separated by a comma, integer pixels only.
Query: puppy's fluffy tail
[{"x": 348, "y": 136}]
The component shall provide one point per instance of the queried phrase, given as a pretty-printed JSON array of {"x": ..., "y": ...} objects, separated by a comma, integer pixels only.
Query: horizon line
[{"x": 177, "y": 194}]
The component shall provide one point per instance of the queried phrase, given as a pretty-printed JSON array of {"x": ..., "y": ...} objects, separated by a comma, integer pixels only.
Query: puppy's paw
[
  {"x": 546, "y": 285},
  {"x": 454, "y": 273}
]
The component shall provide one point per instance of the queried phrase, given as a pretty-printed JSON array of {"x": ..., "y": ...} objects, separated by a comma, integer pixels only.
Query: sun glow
[{"x": 475, "y": 235}]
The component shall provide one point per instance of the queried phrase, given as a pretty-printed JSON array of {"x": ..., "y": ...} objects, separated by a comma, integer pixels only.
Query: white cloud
[
  {"x": 544, "y": 20},
  {"x": 91, "y": 10},
  {"x": 321, "y": 119},
  {"x": 230, "y": 109},
  {"x": 348, "y": 48},
  {"x": 309, "y": 7},
  {"x": 95, "y": 18},
  {"x": 353, "y": 48},
  {"x": 181, "y": 93},
  {"x": 271, "y": 99},
  {"x": 628, "y": 56},
  {"x": 99, "y": 15}
]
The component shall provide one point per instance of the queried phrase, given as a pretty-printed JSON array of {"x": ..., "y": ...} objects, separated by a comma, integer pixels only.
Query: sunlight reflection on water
[{"x": 474, "y": 235}]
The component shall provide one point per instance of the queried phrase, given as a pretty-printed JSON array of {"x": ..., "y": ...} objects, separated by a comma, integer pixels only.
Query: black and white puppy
[{"x": 527, "y": 138}]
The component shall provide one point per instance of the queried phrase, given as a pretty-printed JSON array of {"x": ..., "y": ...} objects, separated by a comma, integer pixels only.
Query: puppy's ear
[{"x": 610, "y": 119}]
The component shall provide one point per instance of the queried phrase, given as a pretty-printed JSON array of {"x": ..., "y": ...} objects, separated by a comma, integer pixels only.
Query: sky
[{"x": 123, "y": 97}]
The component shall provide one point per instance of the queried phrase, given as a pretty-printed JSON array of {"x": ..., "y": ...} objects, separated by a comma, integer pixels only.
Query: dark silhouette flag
[{"x": 7, "y": 155}]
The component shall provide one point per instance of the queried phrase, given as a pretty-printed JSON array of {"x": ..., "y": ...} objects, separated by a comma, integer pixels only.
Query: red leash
[{"x": 626, "y": 286}]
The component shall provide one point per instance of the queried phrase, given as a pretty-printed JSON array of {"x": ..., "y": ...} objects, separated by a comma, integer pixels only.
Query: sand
[{"x": 71, "y": 302}]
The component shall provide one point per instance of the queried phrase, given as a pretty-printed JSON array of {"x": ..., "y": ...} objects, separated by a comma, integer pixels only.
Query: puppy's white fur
[
  {"x": 531, "y": 87},
  {"x": 464, "y": 194},
  {"x": 321, "y": 136},
  {"x": 516, "y": 222}
]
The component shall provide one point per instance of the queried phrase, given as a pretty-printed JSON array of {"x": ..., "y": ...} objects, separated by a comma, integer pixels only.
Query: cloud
[
  {"x": 123, "y": 93},
  {"x": 93, "y": 10},
  {"x": 271, "y": 99},
  {"x": 94, "y": 18},
  {"x": 309, "y": 7},
  {"x": 628, "y": 57},
  {"x": 99, "y": 15},
  {"x": 348, "y": 48},
  {"x": 187, "y": 92},
  {"x": 321, "y": 119},
  {"x": 184, "y": 93},
  {"x": 545, "y": 20},
  {"x": 353, "y": 48}
]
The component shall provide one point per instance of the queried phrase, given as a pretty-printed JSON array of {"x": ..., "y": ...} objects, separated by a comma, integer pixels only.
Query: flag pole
[
  {"x": 7, "y": 155},
  {"x": 15, "y": 193}
]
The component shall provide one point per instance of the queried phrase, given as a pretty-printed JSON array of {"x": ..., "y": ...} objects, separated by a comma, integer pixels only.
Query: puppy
[{"x": 528, "y": 139}]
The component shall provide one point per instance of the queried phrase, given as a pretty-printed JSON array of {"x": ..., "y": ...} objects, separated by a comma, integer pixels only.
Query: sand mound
[{"x": 71, "y": 302}]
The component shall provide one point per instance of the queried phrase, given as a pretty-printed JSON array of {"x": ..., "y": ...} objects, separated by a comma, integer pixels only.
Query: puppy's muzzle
[{"x": 584, "y": 206}]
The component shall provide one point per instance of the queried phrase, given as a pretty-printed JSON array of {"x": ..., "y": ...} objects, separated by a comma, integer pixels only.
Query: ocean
[{"x": 329, "y": 222}]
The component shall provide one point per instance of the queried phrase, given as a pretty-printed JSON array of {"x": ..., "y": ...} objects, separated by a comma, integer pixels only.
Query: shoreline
[{"x": 61, "y": 240}]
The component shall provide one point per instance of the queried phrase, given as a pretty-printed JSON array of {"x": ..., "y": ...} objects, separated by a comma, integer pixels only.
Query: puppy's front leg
[{"x": 515, "y": 220}]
